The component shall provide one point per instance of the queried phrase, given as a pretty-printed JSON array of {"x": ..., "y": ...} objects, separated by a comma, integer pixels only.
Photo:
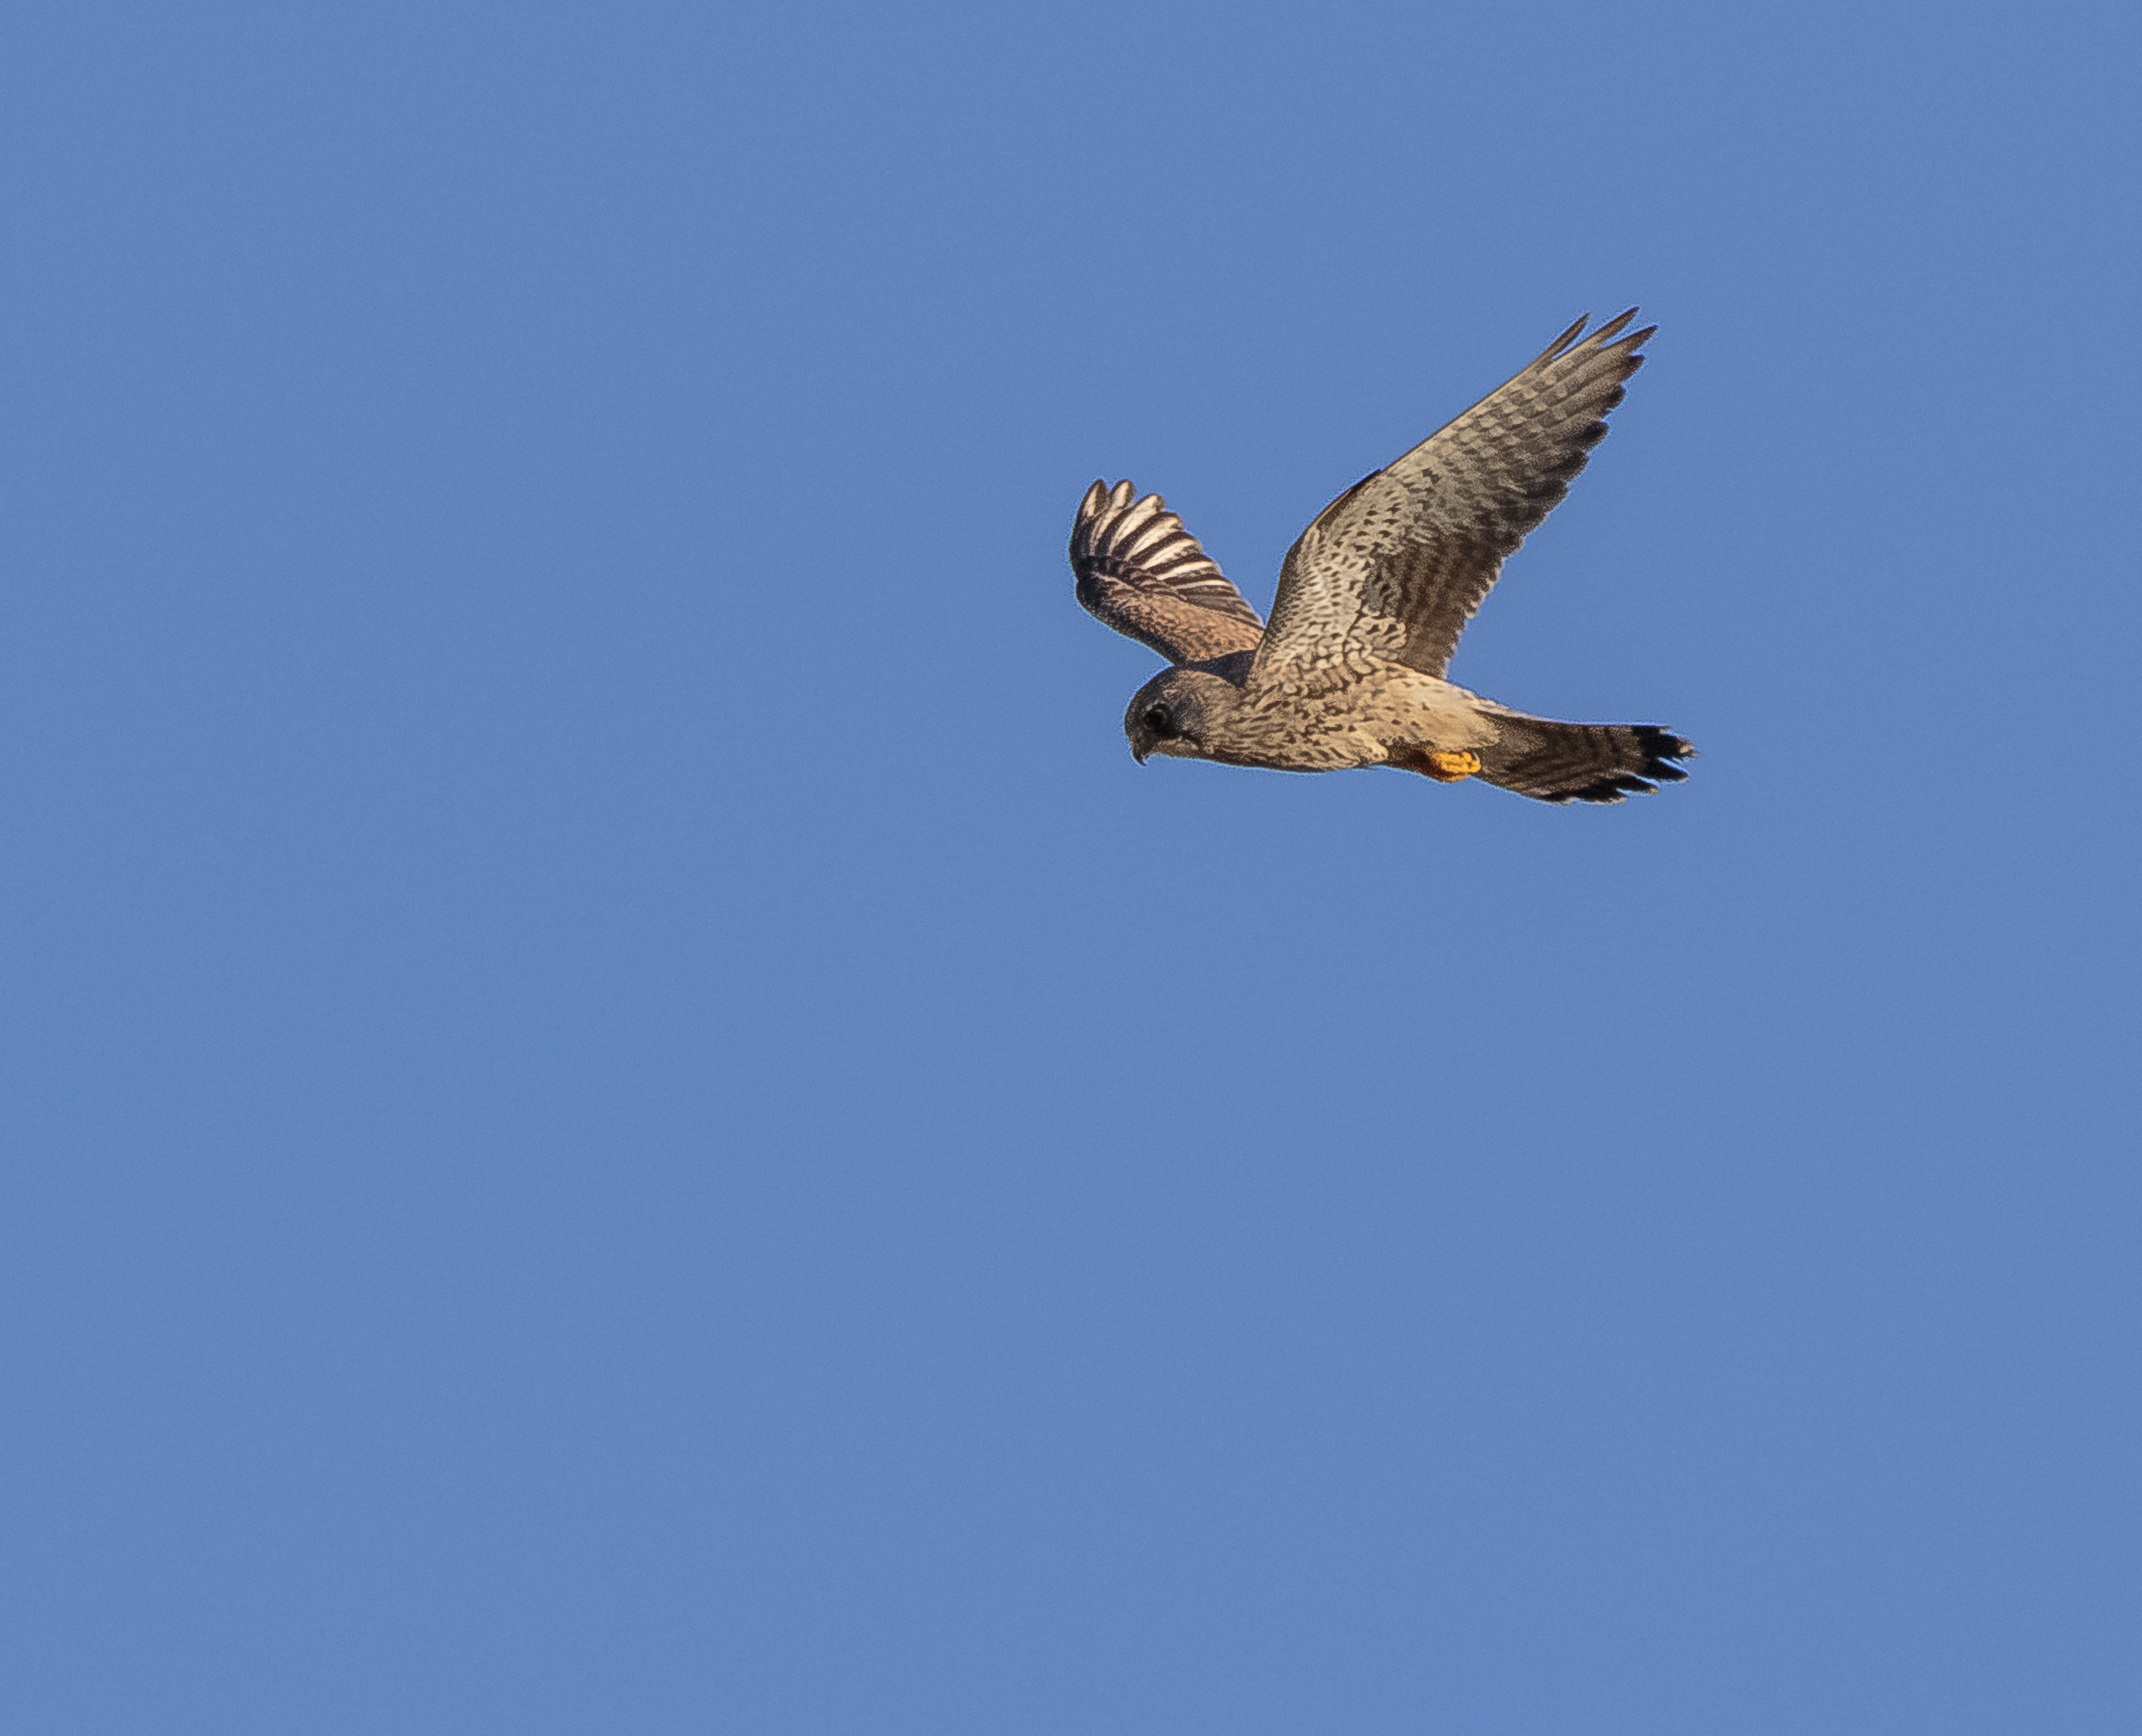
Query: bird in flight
[{"x": 1372, "y": 598}]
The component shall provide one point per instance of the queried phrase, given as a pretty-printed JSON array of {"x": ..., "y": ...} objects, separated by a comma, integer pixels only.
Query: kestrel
[{"x": 1372, "y": 598}]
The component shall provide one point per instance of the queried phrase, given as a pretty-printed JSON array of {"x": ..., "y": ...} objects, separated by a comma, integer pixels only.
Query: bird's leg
[{"x": 1452, "y": 766}]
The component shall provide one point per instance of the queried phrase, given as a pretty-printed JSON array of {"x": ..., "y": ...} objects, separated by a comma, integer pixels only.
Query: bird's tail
[{"x": 1557, "y": 761}]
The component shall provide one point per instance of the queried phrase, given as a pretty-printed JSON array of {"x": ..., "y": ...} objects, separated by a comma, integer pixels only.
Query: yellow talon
[{"x": 1453, "y": 768}]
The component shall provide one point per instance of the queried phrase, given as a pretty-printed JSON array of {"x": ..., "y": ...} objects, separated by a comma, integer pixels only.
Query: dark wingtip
[
  {"x": 1563, "y": 342},
  {"x": 1601, "y": 338}
]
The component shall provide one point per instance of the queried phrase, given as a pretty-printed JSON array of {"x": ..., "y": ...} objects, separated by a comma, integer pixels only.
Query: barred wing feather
[
  {"x": 1395, "y": 567},
  {"x": 1144, "y": 575}
]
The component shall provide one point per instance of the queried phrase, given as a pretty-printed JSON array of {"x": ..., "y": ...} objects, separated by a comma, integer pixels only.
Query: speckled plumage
[{"x": 1372, "y": 599}]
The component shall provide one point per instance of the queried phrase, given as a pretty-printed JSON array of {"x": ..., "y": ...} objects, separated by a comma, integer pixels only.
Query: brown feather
[{"x": 1139, "y": 571}]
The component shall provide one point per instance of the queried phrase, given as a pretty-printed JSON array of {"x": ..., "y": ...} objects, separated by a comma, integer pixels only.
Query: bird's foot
[{"x": 1451, "y": 768}]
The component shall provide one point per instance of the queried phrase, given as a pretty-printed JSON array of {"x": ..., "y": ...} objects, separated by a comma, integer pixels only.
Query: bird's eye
[{"x": 1160, "y": 723}]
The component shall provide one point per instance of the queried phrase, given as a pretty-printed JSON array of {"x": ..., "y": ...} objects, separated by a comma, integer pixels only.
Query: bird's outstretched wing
[
  {"x": 1394, "y": 568},
  {"x": 1144, "y": 575}
]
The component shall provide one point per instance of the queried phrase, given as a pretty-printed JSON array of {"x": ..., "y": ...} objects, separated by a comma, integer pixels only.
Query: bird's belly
[
  {"x": 1368, "y": 722},
  {"x": 1418, "y": 711}
]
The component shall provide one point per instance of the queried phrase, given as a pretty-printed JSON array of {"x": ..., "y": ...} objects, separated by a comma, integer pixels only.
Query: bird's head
[{"x": 1174, "y": 713}]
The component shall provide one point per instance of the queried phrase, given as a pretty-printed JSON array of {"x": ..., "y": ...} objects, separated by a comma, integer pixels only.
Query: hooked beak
[{"x": 1138, "y": 752}]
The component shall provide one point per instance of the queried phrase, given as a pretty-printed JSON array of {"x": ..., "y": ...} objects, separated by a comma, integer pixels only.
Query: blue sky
[{"x": 623, "y": 1112}]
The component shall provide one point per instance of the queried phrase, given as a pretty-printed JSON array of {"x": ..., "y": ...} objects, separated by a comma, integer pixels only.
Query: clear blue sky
[{"x": 623, "y": 1112}]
